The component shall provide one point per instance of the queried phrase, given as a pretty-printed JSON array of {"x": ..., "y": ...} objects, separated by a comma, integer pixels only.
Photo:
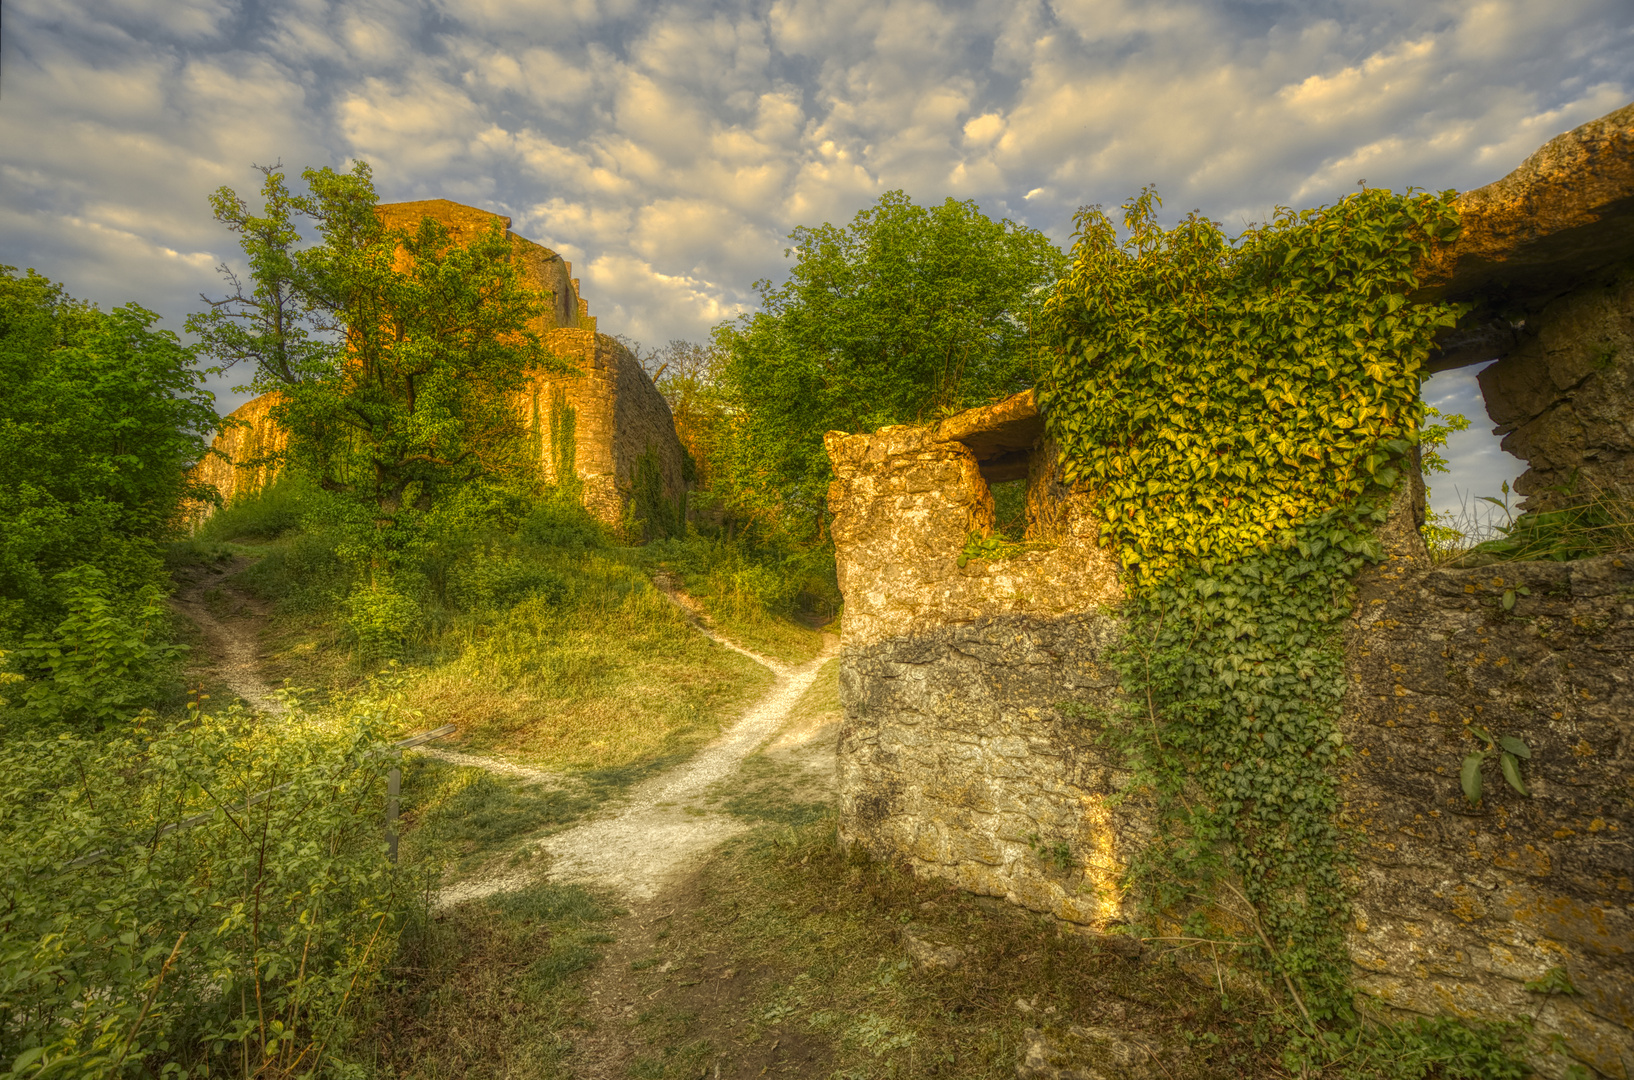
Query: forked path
[{"x": 658, "y": 829}]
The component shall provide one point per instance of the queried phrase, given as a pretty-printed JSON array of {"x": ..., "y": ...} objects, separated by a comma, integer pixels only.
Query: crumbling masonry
[
  {"x": 957, "y": 757},
  {"x": 603, "y": 420}
]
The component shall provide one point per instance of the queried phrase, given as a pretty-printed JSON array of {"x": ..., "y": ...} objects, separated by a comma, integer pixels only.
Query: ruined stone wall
[
  {"x": 1457, "y": 908},
  {"x": 1563, "y": 397},
  {"x": 619, "y": 413},
  {"x": 953, "y": 754}
]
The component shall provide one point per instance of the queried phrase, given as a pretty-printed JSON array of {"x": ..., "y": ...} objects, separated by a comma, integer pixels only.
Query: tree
[
  {"x": 396, "y": 352},
  {"x": 907, "y": 314},
  {"x": 100, "y": 420}
]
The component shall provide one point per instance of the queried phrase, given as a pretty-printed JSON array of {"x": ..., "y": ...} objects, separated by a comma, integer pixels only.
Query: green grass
[{"x": 488, "y": 989}]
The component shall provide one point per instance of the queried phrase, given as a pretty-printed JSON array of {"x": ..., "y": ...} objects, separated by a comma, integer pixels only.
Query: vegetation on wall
[{"x": 1242, "y": 409}]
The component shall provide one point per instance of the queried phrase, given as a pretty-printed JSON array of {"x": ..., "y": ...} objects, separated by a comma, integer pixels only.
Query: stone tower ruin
[{"x": 604, "y": 422}]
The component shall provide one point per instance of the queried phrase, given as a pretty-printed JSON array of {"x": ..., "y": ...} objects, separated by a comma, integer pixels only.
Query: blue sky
[{"x": 668, "y": 148}]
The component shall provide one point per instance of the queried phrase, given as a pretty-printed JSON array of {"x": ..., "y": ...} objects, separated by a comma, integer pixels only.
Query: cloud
[{"x": 668, "y": 147}]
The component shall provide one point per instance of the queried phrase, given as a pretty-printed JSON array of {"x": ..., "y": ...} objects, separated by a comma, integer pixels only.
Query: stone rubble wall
[
  {"x": 1564, "y": 397},
  {"x": 953, "y": 755},
  {"x": 620, "y": 415},
  {"x": 1456, "y": 908},
  {"x": 236, "y": 469}
]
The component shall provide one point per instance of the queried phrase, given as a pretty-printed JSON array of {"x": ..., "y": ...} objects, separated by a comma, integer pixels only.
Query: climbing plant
[{"x": 1242, "y": 409}]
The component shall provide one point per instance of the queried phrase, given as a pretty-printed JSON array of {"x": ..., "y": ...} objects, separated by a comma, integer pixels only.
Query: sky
[{"x": 667, "y": 149}]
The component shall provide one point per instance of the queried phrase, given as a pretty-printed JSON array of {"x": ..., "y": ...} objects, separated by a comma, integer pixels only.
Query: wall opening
[{"x": 1476, "y": 466}]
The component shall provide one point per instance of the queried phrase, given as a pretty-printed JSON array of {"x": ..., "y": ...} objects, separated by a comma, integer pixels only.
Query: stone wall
[
  {"x": 1457, "y": 908},
  {"x": 1563, "y": 397},
  {"x": 237, "y": 469},
  {"x": 953, "y": 754},
  {"x": 619, "y": 415},
  {"x": 955, "y": 759}
]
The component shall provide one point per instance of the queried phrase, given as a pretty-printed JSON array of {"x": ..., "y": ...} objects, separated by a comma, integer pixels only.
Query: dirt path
[
  {"x": 659, "y": 829},
  {"x": 230, "y": 620}
]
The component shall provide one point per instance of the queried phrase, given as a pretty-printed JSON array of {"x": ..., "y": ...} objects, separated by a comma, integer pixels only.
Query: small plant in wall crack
[
  {"x": 1510, "y": 752},
  {"x": 1058, "y": 853}
]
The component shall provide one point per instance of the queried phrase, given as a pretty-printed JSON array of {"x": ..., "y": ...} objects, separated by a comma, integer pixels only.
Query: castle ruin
[
  {"x": 958, "y": 757},
  {"x": 604, "y": 420}
]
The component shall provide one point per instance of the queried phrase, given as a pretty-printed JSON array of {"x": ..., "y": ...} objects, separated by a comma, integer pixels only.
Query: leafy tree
[
  {"x": 908, "y": 313},
  {"x": 395, "y": 351},
  {"x": 100, "y": 420}
]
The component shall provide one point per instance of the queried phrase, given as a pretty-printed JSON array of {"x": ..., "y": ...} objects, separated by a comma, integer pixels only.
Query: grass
[
  {"x": 774, "y": 606},
  {"x": 490, "y": 989},
  {"x": 612, "y": 676},
  {"x": 813, "y": 935}
]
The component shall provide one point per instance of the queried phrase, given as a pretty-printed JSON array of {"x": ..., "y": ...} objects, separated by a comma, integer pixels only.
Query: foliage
[
  {"x": 1509, "y": 751},
  {"x": 650, "y": 514},
  {"x": 381, "y": 621},
  {"x": 103, "y": 662},
  {"x": 237, "y": 945},
  {"x": 100, "y": 419},
  {"x": 395, "y": 351},
  {"x": 1241, "y": 410},
  {"x": 265, "y": 514},
  {"x": 907, "y": 313},
  {"x": 1579, "y": 525},
  {"x": 1218, "y": 393},
  {"x": 563, "y": 523}
]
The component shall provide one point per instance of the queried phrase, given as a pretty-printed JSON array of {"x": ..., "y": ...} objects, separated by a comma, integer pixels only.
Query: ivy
[
  {"x": 1240, "y": 410},
  {"x": 1218, "y": 393}
]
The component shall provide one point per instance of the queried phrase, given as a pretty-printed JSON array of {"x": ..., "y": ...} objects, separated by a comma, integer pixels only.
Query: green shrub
[
  {"x": 266, "y": 515},
  {"x": 103, "y": 661},
  {"x": 381, "y": 621},
  {"x": 564, "y": 523},
  {"x": 496, "y": 582},
  {"x": 234, "y": 946}
]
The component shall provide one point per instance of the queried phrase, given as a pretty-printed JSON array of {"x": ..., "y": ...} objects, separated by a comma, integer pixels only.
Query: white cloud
[{"x": 668, "y": 147}]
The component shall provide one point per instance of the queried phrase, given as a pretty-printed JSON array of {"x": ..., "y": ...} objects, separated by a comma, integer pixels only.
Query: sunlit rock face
[
  {"x": 954, "y": 753},
  {"x": 618, "y": 417}
]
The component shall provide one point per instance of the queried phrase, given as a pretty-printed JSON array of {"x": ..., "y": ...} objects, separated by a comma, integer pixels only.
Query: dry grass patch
[
  {"x": 614, "y": 675},
  {"x": 789, "y": 955}
]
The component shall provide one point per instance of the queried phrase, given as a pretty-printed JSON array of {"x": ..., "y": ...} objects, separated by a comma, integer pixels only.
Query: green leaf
[
  {"x": 1469, "y": 777},
  {"x": 1514, "y": 746},
  {"x": 1512, "y": 772}
]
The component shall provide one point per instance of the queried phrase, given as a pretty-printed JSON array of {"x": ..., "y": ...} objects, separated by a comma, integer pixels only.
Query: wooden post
[{"x": 394, "y": 785}]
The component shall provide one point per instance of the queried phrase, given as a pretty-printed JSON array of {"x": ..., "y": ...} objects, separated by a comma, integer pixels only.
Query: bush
[
  {"x": 266, "y": 515},
  {"x": 564, "y": 523},
  {"x": 103, "y": 661},
  {"x": 128, "y": 947},
  {"x": 381, "y": 621},
  {"x": 497, "y": 582}
]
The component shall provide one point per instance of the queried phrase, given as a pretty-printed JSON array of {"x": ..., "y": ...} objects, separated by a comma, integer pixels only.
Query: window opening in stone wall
[
  {"x": 1477, "y": 469},
  {"x": 1010, "y": 509}
]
